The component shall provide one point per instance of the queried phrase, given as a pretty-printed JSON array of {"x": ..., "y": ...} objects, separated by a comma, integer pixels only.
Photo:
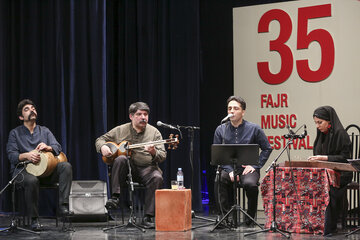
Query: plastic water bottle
[{"x": 180, "y": 178}]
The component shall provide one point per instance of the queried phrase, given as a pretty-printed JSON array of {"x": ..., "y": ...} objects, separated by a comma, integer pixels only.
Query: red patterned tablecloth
[{"x": 302, "y": 195}]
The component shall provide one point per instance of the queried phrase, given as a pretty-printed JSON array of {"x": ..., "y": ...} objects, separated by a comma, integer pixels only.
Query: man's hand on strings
[{"x": 151, "y": 149}]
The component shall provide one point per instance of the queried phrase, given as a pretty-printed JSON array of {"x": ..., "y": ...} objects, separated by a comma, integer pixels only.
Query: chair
[
  {"x": 14, "y": 220},
  {"x": 351, "y": 213},
  {"x": 241, "y": 199},
  {"x": 53, "y": 187},
  {"x": 138, "y": 198},
  {"x": 134, "y": 199},
  {"x": 109, "y": 215},
  {"x": 21, "y": 207}
]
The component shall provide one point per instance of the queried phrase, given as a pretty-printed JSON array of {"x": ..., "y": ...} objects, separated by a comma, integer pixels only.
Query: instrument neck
[{"x": 132, "y": 146}]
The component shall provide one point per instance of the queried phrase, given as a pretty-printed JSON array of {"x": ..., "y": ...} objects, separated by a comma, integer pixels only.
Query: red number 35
[{"x": 304, "y": 39}]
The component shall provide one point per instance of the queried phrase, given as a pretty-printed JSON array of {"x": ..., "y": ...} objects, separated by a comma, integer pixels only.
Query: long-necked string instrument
[{"x": 124, "y": 147}]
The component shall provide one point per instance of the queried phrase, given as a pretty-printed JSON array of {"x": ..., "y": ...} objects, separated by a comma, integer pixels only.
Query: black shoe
[
  {"x": 248, "y": 221},
  {"x": 230, "y": 222},
  {"x": 35, "y": 225},
  {"x": 147, "y": 223},
  {"x": 112, "y": 203},
  {"x": 64, "y": 210},
  {"x": 331, "y": 233},
  {"x": 225, "y": 223}
]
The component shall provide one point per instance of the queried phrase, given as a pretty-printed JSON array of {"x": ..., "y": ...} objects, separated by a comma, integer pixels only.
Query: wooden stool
[{"x": 173, "y": 210}]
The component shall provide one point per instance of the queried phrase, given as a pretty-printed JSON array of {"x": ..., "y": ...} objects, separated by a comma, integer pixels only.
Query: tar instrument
[
  {"x": 46, "y": 165},
  {"x": 124, "y": 147}
]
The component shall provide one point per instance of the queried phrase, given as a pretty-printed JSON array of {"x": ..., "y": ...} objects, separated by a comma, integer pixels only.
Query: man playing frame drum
[{"x": 33, "y": 143}]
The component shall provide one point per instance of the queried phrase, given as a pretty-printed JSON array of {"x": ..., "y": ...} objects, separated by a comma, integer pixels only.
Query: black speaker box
[{"x": 88, "y": 198}]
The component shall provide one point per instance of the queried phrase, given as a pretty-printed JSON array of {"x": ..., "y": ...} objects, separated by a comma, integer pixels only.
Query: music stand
[
  {"x": 356, "y": 164},
  {"x": 235, "y": 155}
]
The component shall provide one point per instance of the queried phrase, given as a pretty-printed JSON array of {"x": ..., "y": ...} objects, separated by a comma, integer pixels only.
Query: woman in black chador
[{"x": 332, "y": 144}]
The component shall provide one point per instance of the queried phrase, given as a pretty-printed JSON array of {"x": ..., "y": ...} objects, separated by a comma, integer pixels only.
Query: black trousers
[
  {"x": 337, "y": 196},
  {"x": 62, "y": 174},
  {"x": 149, "y": 176},
  {"x": 333, "y": 209},
  {"x": 225, "y": 195}
]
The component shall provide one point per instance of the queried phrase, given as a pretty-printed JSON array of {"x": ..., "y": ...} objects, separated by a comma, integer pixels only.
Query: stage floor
[{"x": 93, "y": 230}]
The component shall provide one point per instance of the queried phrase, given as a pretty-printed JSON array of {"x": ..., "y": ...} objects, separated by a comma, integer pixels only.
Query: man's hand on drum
[
  {"x": 105, "y": 151},
  {"x": 33, "y": 156},
  {"x": 43, "y": 147}
]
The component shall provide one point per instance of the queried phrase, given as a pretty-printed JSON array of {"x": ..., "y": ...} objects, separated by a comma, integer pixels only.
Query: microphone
[
  {"x": 292, "y": 134},
  {"x": 26, "y": 162},
  {"x": 161, "y": 124},
  {"x": 227, "y": 117},
  {"x": 290, "y": 130},
  {"x": 304, "y": 134}
]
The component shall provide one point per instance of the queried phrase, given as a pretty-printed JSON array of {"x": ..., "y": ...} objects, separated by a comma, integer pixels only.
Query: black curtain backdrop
[
  {"x": 217, "y": 77},
  {"x": 84, "y": 62},
  {"x": 153, "y": 56},
  {"x": 54, "y": 52}
]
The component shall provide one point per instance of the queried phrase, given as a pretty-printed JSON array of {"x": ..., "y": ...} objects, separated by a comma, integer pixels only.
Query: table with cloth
[{"x": 302, "y": 195}]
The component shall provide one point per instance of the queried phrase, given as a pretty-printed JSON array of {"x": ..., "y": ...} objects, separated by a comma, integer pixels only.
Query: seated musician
[
  {"x": 144, "y": 161},
  {"x": 22, "y": 141},
  {"x": 332, "y": 144},
  {"x": 240, "y": 131}
]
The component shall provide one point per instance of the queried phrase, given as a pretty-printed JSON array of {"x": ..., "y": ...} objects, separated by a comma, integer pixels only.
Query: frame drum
[{"x": 46, "y": 165}]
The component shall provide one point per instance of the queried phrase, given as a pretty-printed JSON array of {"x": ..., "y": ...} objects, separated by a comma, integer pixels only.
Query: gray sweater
[{"x": 126, "y": 132}]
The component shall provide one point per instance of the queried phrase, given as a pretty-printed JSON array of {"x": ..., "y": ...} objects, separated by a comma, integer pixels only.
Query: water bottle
[{"x": 180, "y": 178}]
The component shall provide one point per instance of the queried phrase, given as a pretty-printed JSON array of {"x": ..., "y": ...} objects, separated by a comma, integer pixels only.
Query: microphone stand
[
  {"x": 132, "y": 219},
  {"x": 14, "y": 223},
  {"x": 274, "y": 227},
  {"x": 191, "y": 130}
]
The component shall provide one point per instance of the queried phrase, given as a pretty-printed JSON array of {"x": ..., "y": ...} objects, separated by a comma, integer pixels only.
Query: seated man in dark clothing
[
  {"x": 25, "y": 144},
  {"x": 240, "y": 131}
]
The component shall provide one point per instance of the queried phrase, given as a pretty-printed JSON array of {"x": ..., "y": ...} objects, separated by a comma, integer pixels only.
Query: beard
[{"x": 32, "y": 114}]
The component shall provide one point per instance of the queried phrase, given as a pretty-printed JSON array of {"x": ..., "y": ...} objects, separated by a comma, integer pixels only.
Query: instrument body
[
  {"x": 124, "y": 147},
  {"x": 320, "y": 164},
  {"x": 46, "y": 165}
]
